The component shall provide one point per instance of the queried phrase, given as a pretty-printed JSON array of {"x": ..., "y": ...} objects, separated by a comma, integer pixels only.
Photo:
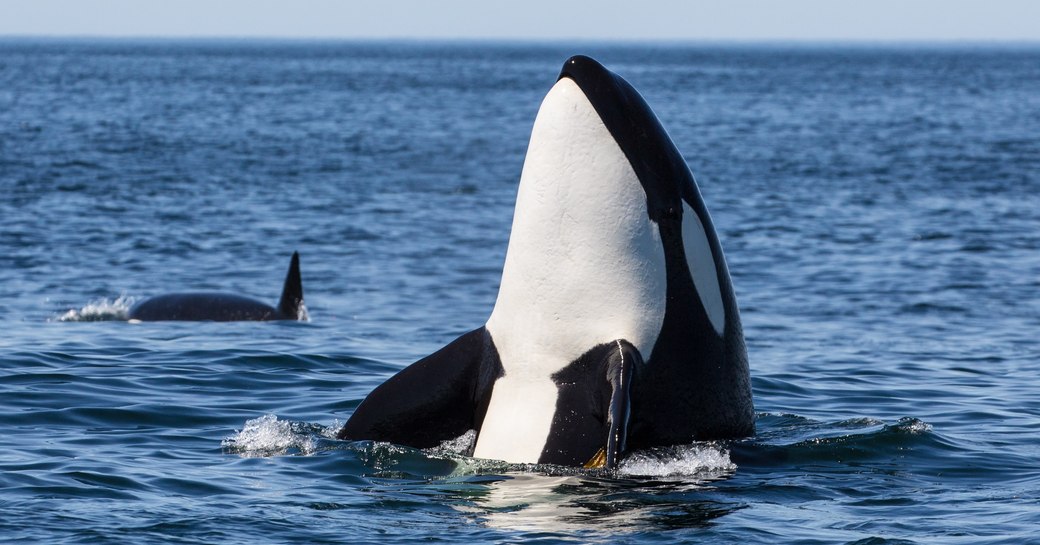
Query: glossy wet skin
[{"x": 205, "y": 306}]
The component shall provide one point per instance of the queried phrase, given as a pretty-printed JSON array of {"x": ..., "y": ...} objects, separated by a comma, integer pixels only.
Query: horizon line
[{"x": 857, "y": 41}]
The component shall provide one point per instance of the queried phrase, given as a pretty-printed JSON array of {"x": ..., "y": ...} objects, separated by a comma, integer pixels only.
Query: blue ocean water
[{"x": 878, "y": 207}]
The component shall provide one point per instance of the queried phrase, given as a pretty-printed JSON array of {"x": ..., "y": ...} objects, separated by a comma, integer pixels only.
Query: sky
[{"x": 545, "y": 20}]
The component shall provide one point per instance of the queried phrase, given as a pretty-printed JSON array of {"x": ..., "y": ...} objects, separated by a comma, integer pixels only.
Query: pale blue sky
[{"x": 842, "y": 20}]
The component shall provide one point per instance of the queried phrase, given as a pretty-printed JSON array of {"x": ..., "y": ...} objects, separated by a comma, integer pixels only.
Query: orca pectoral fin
[
  {"x": 437, "y": 398},
  {"x": 292, "y": 292},
  {"x": 591, "y": 421}
]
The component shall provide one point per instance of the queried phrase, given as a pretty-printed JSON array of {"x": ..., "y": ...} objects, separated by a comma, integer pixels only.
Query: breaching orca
[
  {"x": 615, "y": 327},
  {"x": 225, "y": 307}
]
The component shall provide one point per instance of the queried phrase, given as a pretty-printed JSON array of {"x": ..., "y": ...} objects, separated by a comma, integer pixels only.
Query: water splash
[
  {"x": 910, "y": 425},
  {"x": 101, "y": 310},
  {"x": 461, "y": 445},
  {"x": 703, "y": 460},
  {"x": 269, "y": 436}
]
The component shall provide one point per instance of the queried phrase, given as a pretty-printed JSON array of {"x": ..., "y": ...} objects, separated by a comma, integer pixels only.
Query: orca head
[
  {"x": 605, "y": 202},
  {"x": 583, "y": 224},
  {"x": 673, "y": 201},
  {"x": 586, "y": 264},
  {"x": 610, "y": 238}
]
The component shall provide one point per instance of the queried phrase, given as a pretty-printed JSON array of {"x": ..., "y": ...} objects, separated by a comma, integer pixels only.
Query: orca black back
[{"x": 225, "y": 307}]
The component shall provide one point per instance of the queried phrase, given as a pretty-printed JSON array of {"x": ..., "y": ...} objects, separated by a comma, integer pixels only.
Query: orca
[
  {"x": 615, "y": 328},
  {"x": 225, "y": 307}
]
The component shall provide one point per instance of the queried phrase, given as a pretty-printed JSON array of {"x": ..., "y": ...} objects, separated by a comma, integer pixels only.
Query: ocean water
[{"x": 879, "y": 208}]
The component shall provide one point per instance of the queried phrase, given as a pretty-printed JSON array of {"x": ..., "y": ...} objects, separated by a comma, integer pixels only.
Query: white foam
[
  {"x": 913, "y": 426},
  {"x": 269, "y": 436},
  {"x": 101, "y": 310},
  {"x": 461, "y": 445},
  {"x": 701, "y": 460}
]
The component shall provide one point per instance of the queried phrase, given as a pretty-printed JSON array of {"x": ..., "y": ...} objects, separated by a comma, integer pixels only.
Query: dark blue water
[{"x": 879, "y": 207}]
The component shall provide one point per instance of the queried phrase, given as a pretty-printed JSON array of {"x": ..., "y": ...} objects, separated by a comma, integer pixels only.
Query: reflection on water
[
  {"x": 538, "y": 502},
  {"x": 668, "y": 487}
]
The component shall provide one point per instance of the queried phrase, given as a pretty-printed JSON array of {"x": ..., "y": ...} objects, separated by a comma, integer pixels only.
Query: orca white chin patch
[
  {"x": 519, "y": 419},
  {"x": 584, "y": 266}
]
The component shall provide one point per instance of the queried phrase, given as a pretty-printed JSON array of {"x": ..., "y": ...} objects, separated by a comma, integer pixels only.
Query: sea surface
[{"x": 879, "y": 207}]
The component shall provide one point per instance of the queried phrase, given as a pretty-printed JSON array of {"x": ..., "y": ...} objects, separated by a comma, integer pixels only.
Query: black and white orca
[
  {"x": 225, "y": 307},
  {"x": 615, "y": 327}
]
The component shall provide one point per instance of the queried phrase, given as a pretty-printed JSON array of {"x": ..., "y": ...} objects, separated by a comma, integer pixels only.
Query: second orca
[{"x": 225, "y": 307}]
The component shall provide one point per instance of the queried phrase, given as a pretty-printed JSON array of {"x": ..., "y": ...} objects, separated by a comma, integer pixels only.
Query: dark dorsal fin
[{"x": 292, "y": 294}]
